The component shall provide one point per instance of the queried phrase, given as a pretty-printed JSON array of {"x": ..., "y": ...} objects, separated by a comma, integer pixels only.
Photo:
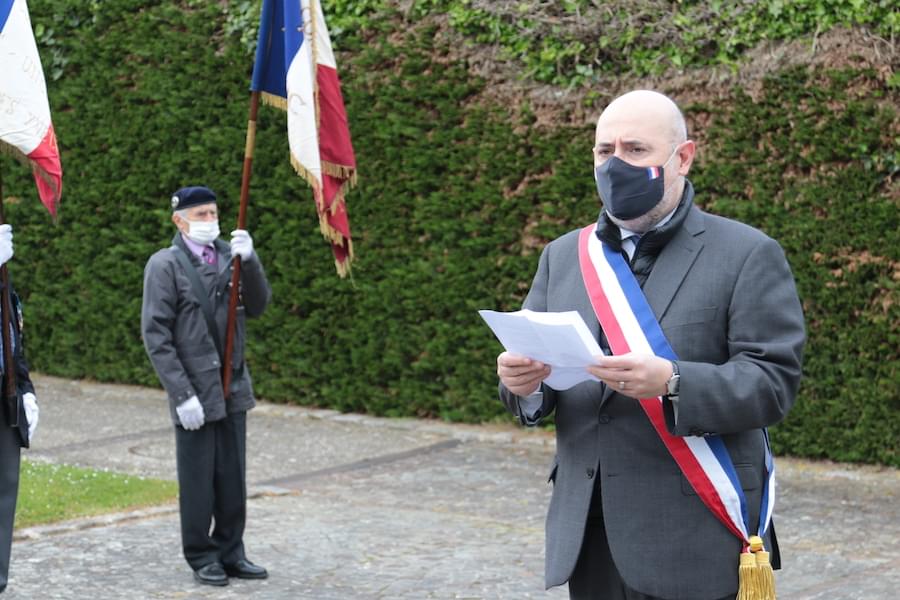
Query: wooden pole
[
  {"x": 241, "y": 224},
  {"x": 10, "y": 397}
]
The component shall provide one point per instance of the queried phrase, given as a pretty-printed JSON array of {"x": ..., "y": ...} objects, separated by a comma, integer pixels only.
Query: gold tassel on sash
[
  {"x": 764, "y": 572},
  {"x": 748, "y": 583},
  {"x": 756, "y": 579}
]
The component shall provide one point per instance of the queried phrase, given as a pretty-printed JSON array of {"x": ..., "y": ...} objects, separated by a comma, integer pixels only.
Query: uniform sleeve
[
  {"x": 23, "y": 377},
  {"x": 157, "y": 324},
  {"x": 757, "y": 385},
  {"x": 255, "y": 289},
  {"x": 530, "y": 410}
]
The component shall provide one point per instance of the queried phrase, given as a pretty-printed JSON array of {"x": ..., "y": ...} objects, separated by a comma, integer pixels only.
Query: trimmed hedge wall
[{"x": 456, "y": 199}]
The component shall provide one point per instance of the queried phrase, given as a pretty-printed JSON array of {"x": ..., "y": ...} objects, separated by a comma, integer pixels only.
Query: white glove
[
  {"x": 6, "y": 245},
  {"x": 241, "y": 244},
  {"x": 32, "y": 413},
  {"x": 190, "y": 413}
]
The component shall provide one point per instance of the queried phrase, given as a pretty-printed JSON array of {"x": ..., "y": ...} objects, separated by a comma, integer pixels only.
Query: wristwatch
[{"x": 674, "y": 382}]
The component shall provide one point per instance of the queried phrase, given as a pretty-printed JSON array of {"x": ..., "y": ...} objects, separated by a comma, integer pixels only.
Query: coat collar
[
  {"x": 223, "y": 249},
  {"x": 674, "y": 262}
]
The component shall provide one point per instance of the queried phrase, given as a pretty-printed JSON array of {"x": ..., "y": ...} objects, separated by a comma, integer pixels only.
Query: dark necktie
[
  {"x": 635, "y": 238},
  {"x": 209, "y": 255}
]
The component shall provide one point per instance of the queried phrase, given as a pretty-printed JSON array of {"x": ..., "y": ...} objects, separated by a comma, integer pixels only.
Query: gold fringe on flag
[
  {"x": 329, "y": 169},
  {"x": 339, "y": 198},
  {"x": 307, "y": 176},
  {"x": 314, "y": 46},
  {"x": 330, "y": 233},
  {"x": 337, "y": 239},
  {"x": 340, "y": 172},
  {"x": 273, "y": 100}
]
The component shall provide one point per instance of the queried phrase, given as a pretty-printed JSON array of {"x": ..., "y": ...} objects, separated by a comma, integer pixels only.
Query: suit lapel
[
  {"x": 669, "y": 271},
  {"x": 673, "y": 263}
]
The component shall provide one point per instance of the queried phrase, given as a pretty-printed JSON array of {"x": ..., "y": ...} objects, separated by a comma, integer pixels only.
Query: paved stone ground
[{"x": 353, "y": 507}]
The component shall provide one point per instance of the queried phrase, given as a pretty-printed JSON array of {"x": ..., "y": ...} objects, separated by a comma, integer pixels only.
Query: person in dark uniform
[
  {"x": 19, "y": 417},
  {"x": 183, "y": 322}
]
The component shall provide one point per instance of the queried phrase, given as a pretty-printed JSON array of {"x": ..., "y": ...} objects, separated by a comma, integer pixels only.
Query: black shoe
[
  {"x": 211, "y": 574},
  {"x": 244, "y": 569}
]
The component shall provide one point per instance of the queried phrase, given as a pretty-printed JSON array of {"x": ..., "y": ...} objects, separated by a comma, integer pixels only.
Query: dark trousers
[
  {"x": 9, "y": 489},
  {"x": 212, "y": 490},
  {"x": 595, "y": 576}
]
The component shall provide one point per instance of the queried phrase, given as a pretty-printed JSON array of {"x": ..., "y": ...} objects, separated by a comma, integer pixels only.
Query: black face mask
[{"x": 629, "y": 192}]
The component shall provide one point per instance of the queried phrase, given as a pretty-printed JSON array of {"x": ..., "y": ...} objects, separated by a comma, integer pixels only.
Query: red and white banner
[
  {"x": 25, "y": 126},
  {"x": 295, "y": 69}
]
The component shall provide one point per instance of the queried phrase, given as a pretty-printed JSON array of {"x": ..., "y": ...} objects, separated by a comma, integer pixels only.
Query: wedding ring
[{"x": 621, "y": 385}]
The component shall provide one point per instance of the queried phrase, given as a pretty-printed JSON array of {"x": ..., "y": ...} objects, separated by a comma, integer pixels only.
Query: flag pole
[
  {"x": 10, "y": 397},
  {"x": 241, "y": 224}
]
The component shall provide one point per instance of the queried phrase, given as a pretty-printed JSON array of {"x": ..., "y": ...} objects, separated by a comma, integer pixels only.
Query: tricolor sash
[{"x": 630, "y": 326}]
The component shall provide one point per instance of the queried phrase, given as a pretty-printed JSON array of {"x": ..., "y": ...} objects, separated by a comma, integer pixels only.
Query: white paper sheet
[{"x": 559, "y": 339}]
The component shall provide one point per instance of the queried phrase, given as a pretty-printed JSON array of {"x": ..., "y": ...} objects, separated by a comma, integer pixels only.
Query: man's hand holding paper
[
  {"x": 633, "y": 374},
  {"x": 554, "y": 347},
  {"x": 520, "y": 374}
]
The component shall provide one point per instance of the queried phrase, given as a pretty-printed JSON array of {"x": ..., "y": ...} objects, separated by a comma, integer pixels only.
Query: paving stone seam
[
  {"x": 291, "y": 481},
  {"x": 461, "y": 431},
  {"x": 38, "y": 532},
  {"x": 273, "y": 487},
  {"x": 100, "y": 442}
]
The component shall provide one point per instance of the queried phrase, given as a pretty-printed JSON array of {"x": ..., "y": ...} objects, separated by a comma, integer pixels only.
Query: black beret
[{"x": 194, "y": 195}]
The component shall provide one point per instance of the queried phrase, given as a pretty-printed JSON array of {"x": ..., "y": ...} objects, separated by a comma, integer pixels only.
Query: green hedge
[
  {"x": 456, "y": 199},
  {"x": 573, "y": 42},
  {"x": 814, "y": 162}
]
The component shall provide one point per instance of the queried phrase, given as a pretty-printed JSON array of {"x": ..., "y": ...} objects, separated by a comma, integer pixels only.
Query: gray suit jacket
[
  {"x": 725, "y": 298},
  {"x": 177, "y": 337}
]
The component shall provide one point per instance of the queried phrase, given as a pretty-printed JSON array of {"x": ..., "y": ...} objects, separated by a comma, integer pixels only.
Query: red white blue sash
[{"x": 630, "y": 326}]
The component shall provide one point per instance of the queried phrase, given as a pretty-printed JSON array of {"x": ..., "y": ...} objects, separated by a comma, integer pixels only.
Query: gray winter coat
[{"x": 176, "y": 334}]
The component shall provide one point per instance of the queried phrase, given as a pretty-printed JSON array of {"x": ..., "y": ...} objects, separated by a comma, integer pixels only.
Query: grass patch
[{"x": 49, "y": 493}]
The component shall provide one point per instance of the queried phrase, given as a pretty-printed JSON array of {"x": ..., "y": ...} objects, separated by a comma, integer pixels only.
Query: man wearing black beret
[{"x": 183, "y": 322}]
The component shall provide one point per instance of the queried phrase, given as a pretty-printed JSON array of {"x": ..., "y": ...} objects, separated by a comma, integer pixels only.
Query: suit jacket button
[
  {"x": 604, "y": 419},
  {"x": 590, "y": 473}
]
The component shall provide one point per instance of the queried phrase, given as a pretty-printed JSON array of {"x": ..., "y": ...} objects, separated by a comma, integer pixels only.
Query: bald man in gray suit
[{"x": 623, "y": 522}]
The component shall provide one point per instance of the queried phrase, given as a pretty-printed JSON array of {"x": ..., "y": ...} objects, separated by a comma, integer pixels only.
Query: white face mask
[{"x": 203, "y": 232}]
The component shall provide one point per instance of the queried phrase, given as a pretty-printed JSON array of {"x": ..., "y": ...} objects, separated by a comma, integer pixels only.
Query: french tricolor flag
[
  {"x": 26, "y": 130},
  {"x": 296, "y": 71},
  {"x": 652, "y": 172}
]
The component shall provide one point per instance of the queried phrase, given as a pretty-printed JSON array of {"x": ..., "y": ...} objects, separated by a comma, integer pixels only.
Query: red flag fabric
[{"x": 296, "y": 71}]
